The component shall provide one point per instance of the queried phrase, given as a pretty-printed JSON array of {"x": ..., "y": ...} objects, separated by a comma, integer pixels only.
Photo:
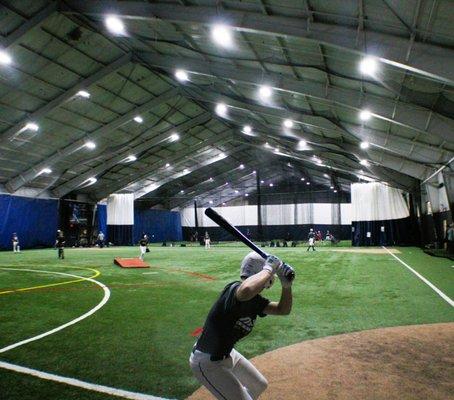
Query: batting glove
[
  {"x": 272, "y": 263},
  {"x": 286, "y": 274}
]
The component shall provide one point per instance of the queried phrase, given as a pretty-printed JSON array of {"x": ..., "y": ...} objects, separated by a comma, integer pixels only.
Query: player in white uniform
[
  {"x": 15, "y": 240},
  {"x": 226, "y": 373},
  {"x": 207, "y": 240},
  {"x": 311, "y": 240},
  {"x": 143, "y": 246}
]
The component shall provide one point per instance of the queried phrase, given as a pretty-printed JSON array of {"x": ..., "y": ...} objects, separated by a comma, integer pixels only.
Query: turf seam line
[
  {"x": 427, "y": 282},
  {"x": 78, "y": 383},
  {"x": 72, "y": 322}
]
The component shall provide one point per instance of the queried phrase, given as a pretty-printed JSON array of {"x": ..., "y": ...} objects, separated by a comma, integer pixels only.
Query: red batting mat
[{"x": 130, "y": 263}]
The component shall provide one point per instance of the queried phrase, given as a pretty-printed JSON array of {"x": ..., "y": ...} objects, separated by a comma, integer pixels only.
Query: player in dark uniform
[
  {"x": 60, "y": 244},
  {"x": 311, "y": 240},
  {"x": 215, "y": 363}
]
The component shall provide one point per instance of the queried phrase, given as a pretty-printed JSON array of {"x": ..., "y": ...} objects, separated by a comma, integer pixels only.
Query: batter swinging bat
[{"x": 223, "y": 223}]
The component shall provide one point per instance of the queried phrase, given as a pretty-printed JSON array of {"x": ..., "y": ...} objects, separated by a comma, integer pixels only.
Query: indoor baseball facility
[{"x": 230, "y": 200}]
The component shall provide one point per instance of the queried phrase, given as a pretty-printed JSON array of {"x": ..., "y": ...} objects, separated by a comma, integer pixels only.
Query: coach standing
[
  {"x": 60, "y": 244},
  {"x": 226, "y": 373}
]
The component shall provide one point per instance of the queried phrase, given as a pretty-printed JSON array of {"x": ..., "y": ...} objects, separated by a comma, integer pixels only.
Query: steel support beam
[
  {"x": 37, "y": 19},
  {"x": 390, "y": 49},
  {"x": 20, "y": 180},
  {"x": 11, "y": 132},
  {"x": 179, "y": 157},
  {"x": 163, "y": 137},
  {"x": 406, "y": 115}
]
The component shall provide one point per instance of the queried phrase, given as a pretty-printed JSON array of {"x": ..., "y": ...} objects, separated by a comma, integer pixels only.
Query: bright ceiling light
[
  {"x": 91, "y": 181},
  {"x": 236, "y": 191},
  {"x": 265, "y": 92},
  {"x": 185, "y": 171},
  {"x": 167, "y": 165},
  {"x": 211, "y": 179},
  {"x": 241, "y": 166},
  {"x": 131, "y": 158},
  {"x": 211, "y": 201},
  {"x": 222, "y": 35},
  {"x": 182, "y": 191},
  {"x": 90, "y": 145},
  {"x": 271, "y": 185},
  {"x": 368, "y": 66},
  {"x": 364, "y": 145},
  {"x": 247, "y": 194},
  {"x": 221, "y": 109},
  {"x": 254, "y": 172},
  {"x": 181, "y": 75},
  {"x": 365, "y": 115},
  {"x": 45, "y": 171},
  {"x": 83, "y": 93},
  {"x": 138, "y": 119},
  {"x": 303, "y": 179},
  {"x": 288, "y": 123},
  {"x": 262, "y": 181},
  {"x": 174, "y": 137},
  {"x": 247, "y": 129},
  {"x": 31, "y": 126},
  {"x": 5, "y": 58},
  {"x": 335, "y": 191},
  {"x": 222, "y": 155},
  {"x": 326, "y": 175},
  {"x": 364, "y": 162},
  {"x": 115, "y": 25},
  {"x": 308, "y": 183},
  {"x": 223, "y": 204},
  {"x": 331, "y": 187}
]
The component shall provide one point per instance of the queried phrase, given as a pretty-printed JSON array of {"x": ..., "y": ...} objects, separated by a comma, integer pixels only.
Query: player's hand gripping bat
[{"x": 223, "y": 223}]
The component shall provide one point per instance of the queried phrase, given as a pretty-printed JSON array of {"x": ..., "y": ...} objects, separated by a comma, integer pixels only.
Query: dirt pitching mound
[{"x": 410, "y": 362}]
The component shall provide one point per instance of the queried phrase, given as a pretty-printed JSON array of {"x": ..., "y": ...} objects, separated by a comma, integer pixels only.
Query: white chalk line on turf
[
  {"x": 74, "y": 321},
  {"x": 78, "y": 383},
  {"x": 428, "y": 283}
]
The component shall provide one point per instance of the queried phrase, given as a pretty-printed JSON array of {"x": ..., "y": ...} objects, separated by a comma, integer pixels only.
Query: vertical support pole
[
  {"x": 196, "y": 220},
  {"x": 259, "y": 209}
]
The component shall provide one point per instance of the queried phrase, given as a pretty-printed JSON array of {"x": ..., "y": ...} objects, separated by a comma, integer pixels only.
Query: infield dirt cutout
[{"x": 409, "y": 362}]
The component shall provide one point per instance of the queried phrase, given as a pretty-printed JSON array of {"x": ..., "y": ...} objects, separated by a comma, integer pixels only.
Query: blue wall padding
[
  {"x": 101, "y": 215},
  {"x": 159, "y": 225},
  {"x": 34, "y": 220}
]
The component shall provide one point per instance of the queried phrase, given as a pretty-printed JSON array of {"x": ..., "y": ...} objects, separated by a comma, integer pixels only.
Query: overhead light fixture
[
  {"x": 221, "y": 109},
  {"x": 246, "y": 195},
  {"x": 131, "y": 158},
  {"x": 181, "y": 75},
  {"x": 174, "y": 137},
  {"x": 185, "y": 171},
  {"x": 335, "y": 191},
  {"x": 138, "y": 119},
  {"x": 288, "y": 123},
  {"x": 241, "y": 166},
  {"x": 31, "y": 126},
  {"x": 83, "y": 93},
  {"x": 365, "y": 115},
  {"x": 364, "y": 145},
  {"x": 45, "y": 171},
  {"x": 254, "y": 172},
  {"x": 167, "y": 165},
  {"x": 364, "y": 162},
  {"x": 223, "y": 204},
  {"x": 267, "y": 145},
  {"x": 326, "y": 175},
  {"x": 303, "y": 179},
  {"x": 308, "y": 183},
  {"x": 90, "y": 145},
  {"x": 262, "y": 181},
  {"x": 222, "y": 155},
  {"x": 331, "y": 187},
  {"x": 211, "y": 201},
  {"x": 236, "y": 191},
  {"x": 222, "y": 35},
  {"x": 271, "y": 185},
  {"x": 247, "y": 129},
  {"x": 265, "y": 92},
  {"x": 5, "y": 58},
  {"x": 211, "y": 179},
  {"x": 182, "y": 191},
  {"x": 91, "y": 181},
  {"x": 368, "y": 65},
  {"x": 115, "y": 25}
]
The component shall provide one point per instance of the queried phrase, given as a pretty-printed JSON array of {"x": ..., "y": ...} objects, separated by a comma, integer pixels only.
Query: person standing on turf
[
  {"x": 311, "y": 240},
  {"x": 143, "y": 246},
  {"x": 15, "y": 240},
  {"x": 226, "y": 373},
  {"x": 60, "y": 244},
  {"x": 207, "y": 240}
]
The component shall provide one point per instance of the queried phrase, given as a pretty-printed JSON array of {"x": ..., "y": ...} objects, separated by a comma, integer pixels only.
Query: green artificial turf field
[{"x": 141, "y": 338}]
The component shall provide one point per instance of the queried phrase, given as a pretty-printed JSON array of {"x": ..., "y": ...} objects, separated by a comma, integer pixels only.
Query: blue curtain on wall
[
  {"x": 34, "y": 220},
  {"x": 159, "y": 225},
  {"x": 101, "y": 219},
  {"x": 383, "y": 233}
]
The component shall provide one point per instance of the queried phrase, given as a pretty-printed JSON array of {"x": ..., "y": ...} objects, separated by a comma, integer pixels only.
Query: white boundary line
[
  {"x": 431, "y": 285},
  {"x": 74, "y": 321},
  {"x": 78, "y": 383}
]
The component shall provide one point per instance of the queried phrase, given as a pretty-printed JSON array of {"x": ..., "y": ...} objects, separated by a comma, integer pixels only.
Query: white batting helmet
[{"x": 253, "y": 264}]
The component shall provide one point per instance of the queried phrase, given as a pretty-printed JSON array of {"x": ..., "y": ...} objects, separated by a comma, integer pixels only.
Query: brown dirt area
[{"x": 409, "y": 362}]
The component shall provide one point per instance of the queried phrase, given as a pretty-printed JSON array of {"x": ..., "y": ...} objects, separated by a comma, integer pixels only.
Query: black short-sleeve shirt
[{"x": 229, "y": 320}]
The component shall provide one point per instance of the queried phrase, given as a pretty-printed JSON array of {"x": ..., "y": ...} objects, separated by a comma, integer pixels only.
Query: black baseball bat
[{"x": 223, "y": 223}]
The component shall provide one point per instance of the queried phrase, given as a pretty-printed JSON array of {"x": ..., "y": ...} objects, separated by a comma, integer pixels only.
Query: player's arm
[
  {"x": 284, "y": 306},
  {"x": 253, "y": 285}
]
